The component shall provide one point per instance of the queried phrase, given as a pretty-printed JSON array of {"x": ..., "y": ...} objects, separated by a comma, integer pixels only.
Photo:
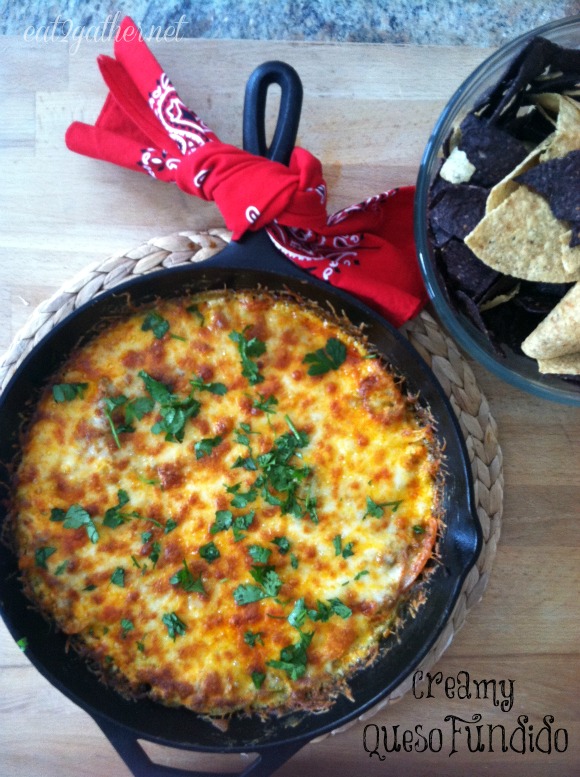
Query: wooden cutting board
[{"x": 368, "y": 111}]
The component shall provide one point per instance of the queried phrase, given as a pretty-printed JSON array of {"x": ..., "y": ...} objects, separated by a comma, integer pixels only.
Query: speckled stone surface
[{"x": 436, "y": 22}]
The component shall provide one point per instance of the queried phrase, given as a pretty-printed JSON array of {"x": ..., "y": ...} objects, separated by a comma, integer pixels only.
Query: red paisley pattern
[{"x": 366, "y": 249}]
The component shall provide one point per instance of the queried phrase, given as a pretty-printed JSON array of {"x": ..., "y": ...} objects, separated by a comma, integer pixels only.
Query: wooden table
[{"x": 368, "y": 110}]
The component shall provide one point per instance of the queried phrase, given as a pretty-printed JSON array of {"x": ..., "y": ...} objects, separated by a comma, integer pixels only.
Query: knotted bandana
[{"x": 367, "y": 249}]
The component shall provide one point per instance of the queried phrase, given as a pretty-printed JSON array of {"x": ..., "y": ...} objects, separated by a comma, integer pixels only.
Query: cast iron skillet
[{"x": 250, "y": 262}]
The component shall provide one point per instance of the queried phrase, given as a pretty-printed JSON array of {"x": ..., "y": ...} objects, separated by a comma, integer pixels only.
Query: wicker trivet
[{"x": 438, "y": 350}]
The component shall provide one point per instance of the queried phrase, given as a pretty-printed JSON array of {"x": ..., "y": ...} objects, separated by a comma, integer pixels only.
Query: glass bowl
[{"x": 513, "y": 366}]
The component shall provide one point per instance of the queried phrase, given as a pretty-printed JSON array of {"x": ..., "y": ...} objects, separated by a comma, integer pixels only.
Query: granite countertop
[{"x": 434, "y": 22}]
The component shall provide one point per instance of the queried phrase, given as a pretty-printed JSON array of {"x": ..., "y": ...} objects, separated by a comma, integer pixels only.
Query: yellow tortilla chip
[
  {"x": 522, "y": 238},
  {"x": 567, "y": 135},
  {"x": 559, "y": 333},
  {"x": 561, "y": 365},
  {"x": 507, "y": 185},
  {"x": 570, "y": 256}
]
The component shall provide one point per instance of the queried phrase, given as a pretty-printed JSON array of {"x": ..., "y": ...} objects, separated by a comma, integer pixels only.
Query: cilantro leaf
[
  {"x": 76, "y": 516},
  {"x": 209, "y": 552},
  {"x": 246, "y": 593},
  {"x": 339, "y": 608},
  {"x": 258, "y": 679},
  {"x": 259, "y": 553},
  {"x": 113, "y": 516},
  {"x": 126, "y": 627},
  {"x": 375, "y": 510},
  {"x": 241, "y": 498},
  {"x": 298, "y": 614},
  {"x": 175, "y": 626},
  {"x": 265, "y": 404},
  {"x": 214, "y": 388},
  {"x": 186, "y": 580},
  {"x": 42, "y": 554},
  {"x": 282, "y": 543},
  {"x": 253, "y": 638},
  {"x": 325, "y": 359},
  {"x": 248, "y": 350},
  {"x": 240, "y": 523},
  {"x": 293, "y": 658},
  {"x": 339, "y": 550},
  {"x": 118, "y": 577},
  {"x": 154, "y": 322},
  {"x": 268, "y": 586},
  {"x": 223, "y": 521},
  {"x": 66, "y": 392},
  {"x": 174, "y": 411},
  {"x": 205, "y": 447}
]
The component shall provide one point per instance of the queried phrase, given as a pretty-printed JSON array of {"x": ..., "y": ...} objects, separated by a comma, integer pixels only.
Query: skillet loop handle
[
  {"x": 140, "y": 765},
  {"x": 254, "y": 127}
]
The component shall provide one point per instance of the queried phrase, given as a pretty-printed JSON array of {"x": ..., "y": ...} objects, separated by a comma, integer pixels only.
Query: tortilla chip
[
  {"x": 507, "y": 185},
  {"x": 559, "y": 333},
  {"x": 522, "y": 238},
  {"x": 561, "y": 365},
  {"x": 567, "y": 135},
  {"x": 457, "y": 168}
]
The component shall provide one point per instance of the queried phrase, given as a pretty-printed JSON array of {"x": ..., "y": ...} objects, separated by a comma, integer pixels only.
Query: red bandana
[{"x": 367, "y": 249}]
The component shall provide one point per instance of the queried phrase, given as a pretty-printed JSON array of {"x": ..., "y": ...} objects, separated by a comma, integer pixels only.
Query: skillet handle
[
  {"x": 140, "y": 765},
  {"x": 254, "y": 128}
]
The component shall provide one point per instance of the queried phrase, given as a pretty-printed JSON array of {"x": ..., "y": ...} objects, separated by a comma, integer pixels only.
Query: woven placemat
[{"x": 438, "y": 350}]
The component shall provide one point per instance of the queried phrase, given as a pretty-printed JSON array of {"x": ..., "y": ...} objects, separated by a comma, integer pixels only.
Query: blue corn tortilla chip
[
  {"x": 491, "y": 150},
  {"x": 465, "y": 271},
  {"x": 458, "y": 209},
  {"x": 558, "y": 182}
]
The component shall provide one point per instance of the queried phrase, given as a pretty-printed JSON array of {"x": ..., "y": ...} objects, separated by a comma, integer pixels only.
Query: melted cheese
[{"x": 331, "y": 568}]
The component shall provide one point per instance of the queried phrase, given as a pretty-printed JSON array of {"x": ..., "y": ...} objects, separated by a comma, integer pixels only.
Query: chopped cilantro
[
  {"x": 339, "y": 550},
  {"x": 418, "y": 530},
  {"x": 22, "y": 643},
  {"x": 205, "y": 447},
  {"x": 247, "y": 593},
  {"x": 114, "y": 516},
  {"x": 375, "y": 510},
  {"x": 268, "y": 586},
  {"x": 214, "y": 388},
  {"x": 325, "y": 359},
  {"x": 186, "y": 580},
  {"x": 258, "y": 679},
  {"x": 293, "y": 658},
  {"x": 282, "y": 543},
  {"x": 42, "y": 554},
  {"x": 253, "y": 638},
  {"x": 118, "y": 577},
  {"x": 209, "y": 552},
  {"x": 240, "y": 523},
  {"x": 133, "y": 410},
  {"x": 174, "y": 411},
  {"x": 259, "y": 554},
  {"x": 75, "y": 517},
  {"x": 265, "y": 404},
  {"x": 66, "y": 392},
  {"x": 175, "y": 626},
  {"x": 126, "y": 627},
  {"x": 241, "y": 498},
  {"x": 223, "y": 521},
  {"x": 154, "y": 322},
  {"x": 248, "y": 350},
  {"x": 339, "y": 608}
]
